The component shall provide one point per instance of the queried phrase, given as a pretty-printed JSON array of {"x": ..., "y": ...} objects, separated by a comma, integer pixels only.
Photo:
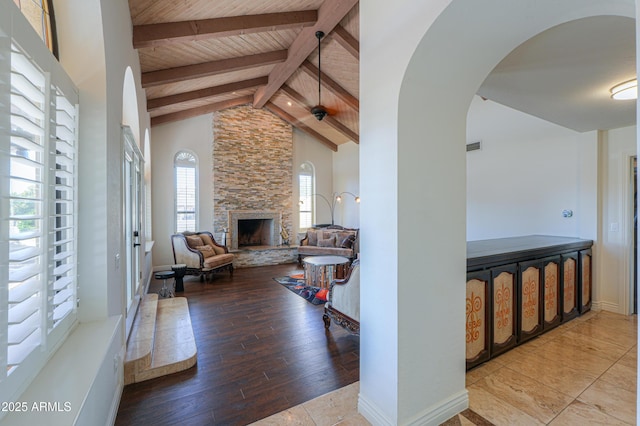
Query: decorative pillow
[
  {"x": 206, "y": 240},
  {"x": 218, "y": 249},
  {"x": 194, "y": 241},
  {"x": 348, "y": 241},
  {"x": 206, "y": 250},
  {"x": 322, "y": 294},
  {"x": 327, "y": 242},
  {"x": 312, "y": 238}
]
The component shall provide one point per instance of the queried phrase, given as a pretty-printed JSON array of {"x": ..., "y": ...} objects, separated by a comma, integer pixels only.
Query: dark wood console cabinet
[{"x": 520, "y": 287}]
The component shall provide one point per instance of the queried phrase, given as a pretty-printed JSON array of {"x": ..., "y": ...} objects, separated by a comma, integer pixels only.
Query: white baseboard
[
  {"x": 443, "y": 411},
  {"x": 434, "y": 415},
  {"x": 607, "y": 306},
  {"x": 370, "y": 412}
]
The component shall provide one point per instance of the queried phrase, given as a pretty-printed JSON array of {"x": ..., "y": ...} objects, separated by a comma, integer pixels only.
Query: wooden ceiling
[{"x": 200, "y": 56}]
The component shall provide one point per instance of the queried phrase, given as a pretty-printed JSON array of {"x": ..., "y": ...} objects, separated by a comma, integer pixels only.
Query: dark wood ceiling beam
[
  {"x": 329, "y": 120},
  {"x": 188, "y": 72},
  {"x": 194, "y": 112},
  {"x": 299, "y": 125},
  {"x": 153, "y": 104},
  {"x": 347, "y": 41},
  {"x": 330, "y": 84},
  {"x": 170, "y": 32},
  {"x": 329, "y": 15}
]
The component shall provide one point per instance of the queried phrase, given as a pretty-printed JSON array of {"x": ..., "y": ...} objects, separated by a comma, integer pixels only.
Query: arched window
[
  {"x": 186, "y": 191},
  {"x": 306, "y": 185},
  {"x": 39, "y": 13}
]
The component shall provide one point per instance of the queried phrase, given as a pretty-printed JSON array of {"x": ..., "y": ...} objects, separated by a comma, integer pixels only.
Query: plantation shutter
[
  {"x": 62, "y": 282},
  {"x": 306, "y": 206},
  {"x": 26, "y": 200}
]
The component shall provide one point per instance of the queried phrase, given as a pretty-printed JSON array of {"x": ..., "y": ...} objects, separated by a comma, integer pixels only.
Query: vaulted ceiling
[{"x": 199, "y": 56}]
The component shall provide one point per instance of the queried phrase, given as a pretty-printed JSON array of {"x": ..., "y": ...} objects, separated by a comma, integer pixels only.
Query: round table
[{"x": 319, "y": 271}]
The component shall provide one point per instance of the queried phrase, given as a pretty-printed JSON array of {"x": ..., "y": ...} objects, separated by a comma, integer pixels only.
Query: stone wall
[{"x": 252, "y": 164}]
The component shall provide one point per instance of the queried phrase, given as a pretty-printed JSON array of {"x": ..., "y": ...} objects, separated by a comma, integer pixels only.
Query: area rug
[{"x": 295, "y": 283}]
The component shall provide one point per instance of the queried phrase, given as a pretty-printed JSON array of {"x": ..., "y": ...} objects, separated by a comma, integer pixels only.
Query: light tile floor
[{"x": 582, "y": 372}]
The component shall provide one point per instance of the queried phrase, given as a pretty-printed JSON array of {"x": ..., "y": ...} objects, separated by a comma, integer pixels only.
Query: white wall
[
  {"x": 194, "y": 135},
  {"x": 346, "y": 171},
  {"x": 528, "y": 171},
  {"x": 612, "y": 289}
]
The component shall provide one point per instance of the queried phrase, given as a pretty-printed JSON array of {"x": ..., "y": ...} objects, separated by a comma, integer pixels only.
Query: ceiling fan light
[
  {"x": 319, "y": 112},
  {"x": 626, "y": 90}
]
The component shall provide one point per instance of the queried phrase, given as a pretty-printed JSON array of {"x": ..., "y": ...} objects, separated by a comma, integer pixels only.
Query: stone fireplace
[
  {"x": 253, "y": 228},
  {"x": 253, "y": 184}
]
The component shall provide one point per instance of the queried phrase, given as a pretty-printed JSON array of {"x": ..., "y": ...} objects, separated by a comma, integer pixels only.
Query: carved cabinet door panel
[
  {"x": 504, "y": 308},
  {"x": 529, "y": 300},
  {"x": 478, "y": 318},
  {"x": 585, "y": 280},
  {"x": 569, "y": 286},
  {"x": 552, "y": 311}
]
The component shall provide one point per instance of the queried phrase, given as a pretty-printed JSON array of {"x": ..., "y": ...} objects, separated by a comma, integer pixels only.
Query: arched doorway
[{"x": 413, "y": 180}]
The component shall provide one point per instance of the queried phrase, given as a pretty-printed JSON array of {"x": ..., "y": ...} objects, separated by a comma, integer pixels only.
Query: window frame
[
  {"x": 307, "y": 169},
  {"x": 181, "y": 163},
  {"x": 56, "y": 191}
]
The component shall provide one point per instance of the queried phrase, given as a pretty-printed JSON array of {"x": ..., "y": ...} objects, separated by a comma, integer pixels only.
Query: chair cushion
[
  {"x": 194, "y": 241},
  {"x": 218, "y": 260},
  {"x": 216, "y": 248},
  {"x": 206, "y": 250},
  {"x": 316, "y": 251}
]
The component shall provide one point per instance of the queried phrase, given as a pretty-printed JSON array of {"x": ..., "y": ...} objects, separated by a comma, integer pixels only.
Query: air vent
[{"x": 473, "y": 146}]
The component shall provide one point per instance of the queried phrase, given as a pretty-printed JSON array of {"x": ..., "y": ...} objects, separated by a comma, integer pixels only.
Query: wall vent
[{"x": 473, "y": 146}]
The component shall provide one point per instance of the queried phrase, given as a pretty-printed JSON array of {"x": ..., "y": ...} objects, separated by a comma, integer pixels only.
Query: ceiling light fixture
[
  {"x": 626, "y": 90},
  {"x": 319, "y": 111}
]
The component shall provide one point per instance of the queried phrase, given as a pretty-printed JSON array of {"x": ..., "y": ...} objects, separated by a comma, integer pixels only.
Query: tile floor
[{"x": 582, "y": 372}]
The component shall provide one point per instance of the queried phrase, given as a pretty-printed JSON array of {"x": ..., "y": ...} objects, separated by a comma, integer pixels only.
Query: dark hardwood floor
[{"x": 261, "y": 349}]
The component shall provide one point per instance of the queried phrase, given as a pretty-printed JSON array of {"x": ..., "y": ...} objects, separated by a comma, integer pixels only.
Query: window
[
  {"x": 186, "y": 191},
  {"x": 39, "y": 14},
  {"x": 38, "y": 149},
  {"x": 306, "y": 183}
]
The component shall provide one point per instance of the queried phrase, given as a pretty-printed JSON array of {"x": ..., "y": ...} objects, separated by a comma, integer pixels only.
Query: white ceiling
[{"x": 564, "y": 75}]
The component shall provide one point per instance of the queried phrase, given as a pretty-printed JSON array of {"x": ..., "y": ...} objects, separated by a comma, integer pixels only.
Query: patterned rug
[{"x": 295, "y": 283}]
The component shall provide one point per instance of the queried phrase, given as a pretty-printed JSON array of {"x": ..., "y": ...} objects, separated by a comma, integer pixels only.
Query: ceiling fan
[{"x": 319, "y": 111}]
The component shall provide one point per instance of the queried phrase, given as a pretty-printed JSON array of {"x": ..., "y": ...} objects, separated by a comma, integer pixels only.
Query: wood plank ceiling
[{"x": 200, "y": 56}]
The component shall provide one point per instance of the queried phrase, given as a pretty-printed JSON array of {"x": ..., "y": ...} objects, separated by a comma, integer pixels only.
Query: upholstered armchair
[
  {"x": 343, "y": 301},
  {"x": 201, "y": 253}
]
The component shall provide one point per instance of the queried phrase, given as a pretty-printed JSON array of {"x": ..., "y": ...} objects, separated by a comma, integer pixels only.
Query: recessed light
[{"x": 626, "y": 90}]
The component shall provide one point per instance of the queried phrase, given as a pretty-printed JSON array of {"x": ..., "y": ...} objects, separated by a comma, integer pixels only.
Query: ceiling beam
[
  {"x": 330, "y": 84},
  {"x": 329, "y": 120},
  {"x": 194, "y": 112},
  {"x": 188, "y": 72},
  {"x": 153, "y": 104},
  {"x": 152, "y": 35},
  {"x": 347, "y": 41},
  {"x": 329, "y": 15},
  {"x": 299, "y": 125}
]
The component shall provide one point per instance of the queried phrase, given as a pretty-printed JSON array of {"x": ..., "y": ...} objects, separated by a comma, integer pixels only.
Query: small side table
[
  {"x": 164, "y": 276},
  {"x": 319, "y": 271},
  {"x": 180, "y": 270}
]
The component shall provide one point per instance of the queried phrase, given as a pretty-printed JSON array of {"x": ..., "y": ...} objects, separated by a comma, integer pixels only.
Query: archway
[{"x": 418, "y": 193}]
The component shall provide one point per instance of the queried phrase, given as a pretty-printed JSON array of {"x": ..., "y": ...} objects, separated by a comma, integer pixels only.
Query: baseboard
[
  {"x": 607, "y": 306},
  {"x": 113, "y": 411},
  {"x": 443, "y": 411},
  {"x": 371, "y": 412},
  {"x": 434, "y": 415}
]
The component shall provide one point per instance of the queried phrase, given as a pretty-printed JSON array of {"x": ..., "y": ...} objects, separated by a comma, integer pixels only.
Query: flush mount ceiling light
[
  {"x": 626, "y": 90},
  {"x": 319, "y": 111}
]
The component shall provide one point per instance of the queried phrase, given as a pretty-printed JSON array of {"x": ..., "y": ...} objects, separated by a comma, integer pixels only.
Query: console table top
[{"x": 483, "y": 253}]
